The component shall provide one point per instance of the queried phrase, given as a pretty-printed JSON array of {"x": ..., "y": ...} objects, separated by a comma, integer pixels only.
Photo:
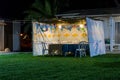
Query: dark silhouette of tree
[
  {"x": 117, "y": 3},
  {"x": 44, "y": 10}
]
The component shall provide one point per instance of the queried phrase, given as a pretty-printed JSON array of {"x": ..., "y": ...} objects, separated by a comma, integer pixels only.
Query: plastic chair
[{"x": 81, "y": 49}]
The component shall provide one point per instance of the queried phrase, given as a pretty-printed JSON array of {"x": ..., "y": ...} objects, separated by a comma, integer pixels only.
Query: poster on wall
[{"x": 95, "y": 37}]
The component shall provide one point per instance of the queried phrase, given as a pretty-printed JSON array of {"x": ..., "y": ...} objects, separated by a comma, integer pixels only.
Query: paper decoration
[{"x": 53, "y": 34}]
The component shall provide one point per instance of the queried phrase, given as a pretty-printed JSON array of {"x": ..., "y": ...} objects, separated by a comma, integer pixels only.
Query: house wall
[
  {"x": 1, "y": 36},
  {"x": 8, "y": 36},
  {"x": 16, "y": 36},
  {"x": 106, "y": 26},
  {"x": 110, "y": 32},
  {"x": 117, "y": 19}
]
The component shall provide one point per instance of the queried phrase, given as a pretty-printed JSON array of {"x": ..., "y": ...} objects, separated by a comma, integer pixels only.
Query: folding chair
[{"x": 81, "y": 50}]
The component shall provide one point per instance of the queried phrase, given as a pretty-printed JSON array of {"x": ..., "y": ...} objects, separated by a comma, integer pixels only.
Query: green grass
[{"x": 28, "y": 67}]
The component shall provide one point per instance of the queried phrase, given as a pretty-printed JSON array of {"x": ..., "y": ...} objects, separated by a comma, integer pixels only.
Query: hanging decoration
[{"x": 55, "y": 33}]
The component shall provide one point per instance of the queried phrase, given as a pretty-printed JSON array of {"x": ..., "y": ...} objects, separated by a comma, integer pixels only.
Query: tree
[
  {"x": 44, "y": 9},
  {"x": 117, "y": 3}
]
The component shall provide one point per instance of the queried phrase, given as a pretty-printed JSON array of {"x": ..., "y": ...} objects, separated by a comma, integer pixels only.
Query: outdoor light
[{"x": 21, "y": 34}]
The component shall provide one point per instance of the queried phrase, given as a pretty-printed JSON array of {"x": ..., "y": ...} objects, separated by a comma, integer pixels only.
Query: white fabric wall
[
  {"x": 95, "y": 37},
  {"x": 37, "y": 46}
]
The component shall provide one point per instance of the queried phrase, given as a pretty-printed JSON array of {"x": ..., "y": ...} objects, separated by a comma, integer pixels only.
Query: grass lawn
[{"x": 28, "y": 67}]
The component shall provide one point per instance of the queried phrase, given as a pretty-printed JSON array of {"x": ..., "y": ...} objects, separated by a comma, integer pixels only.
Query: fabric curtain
[{"x": 95, "y": 37}]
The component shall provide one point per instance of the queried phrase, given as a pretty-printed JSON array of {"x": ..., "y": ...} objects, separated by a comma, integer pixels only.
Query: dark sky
[
  {"x": 15, "y": 8},
  {"x": 91, "y": 4}
]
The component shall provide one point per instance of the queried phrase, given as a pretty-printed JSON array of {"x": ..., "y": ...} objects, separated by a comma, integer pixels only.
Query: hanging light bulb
[
  {"x": 59, "y": 26},
  {"x": 21, "y": 34},
  {"x": 81, "y": 25}
]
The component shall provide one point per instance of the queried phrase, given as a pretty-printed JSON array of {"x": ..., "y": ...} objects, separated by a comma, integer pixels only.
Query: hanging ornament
[
  {"x": 44, "y": 28},
  {"x": 69, "y": 27}
]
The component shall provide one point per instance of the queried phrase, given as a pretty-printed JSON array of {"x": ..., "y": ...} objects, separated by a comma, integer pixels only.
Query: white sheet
[{"x": 95, "y": 37}]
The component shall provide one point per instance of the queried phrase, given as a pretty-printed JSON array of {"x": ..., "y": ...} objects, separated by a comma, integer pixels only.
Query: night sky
[{"x": 14, "y": 8}]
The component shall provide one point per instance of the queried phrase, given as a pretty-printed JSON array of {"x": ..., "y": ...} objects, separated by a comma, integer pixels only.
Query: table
[{"x": 61, "y": 49}]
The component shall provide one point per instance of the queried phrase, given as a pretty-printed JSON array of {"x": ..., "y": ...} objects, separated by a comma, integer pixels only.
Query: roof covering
[{"x": 90, "y": 13}]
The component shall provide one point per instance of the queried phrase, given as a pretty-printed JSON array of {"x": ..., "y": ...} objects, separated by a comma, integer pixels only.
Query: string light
[
  {"x": 81, "y": 25},
  {"x": 60, "y": 26},
  {"x": 21, "y": 34}
]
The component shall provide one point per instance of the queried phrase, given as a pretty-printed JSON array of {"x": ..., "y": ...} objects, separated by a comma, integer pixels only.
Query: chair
[
  {"x": 44, "y": 47},
  {"x": 81, "y": 50}
]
